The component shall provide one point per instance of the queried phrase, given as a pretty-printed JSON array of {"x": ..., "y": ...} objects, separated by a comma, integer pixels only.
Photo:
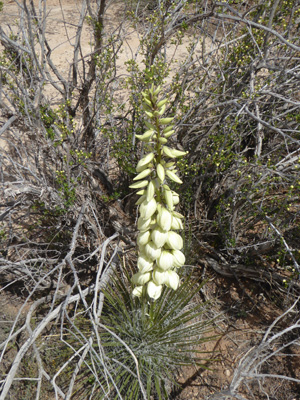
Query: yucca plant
[
  {"x": 159, "y": 246},
  {"x": 146, "y": 342}
]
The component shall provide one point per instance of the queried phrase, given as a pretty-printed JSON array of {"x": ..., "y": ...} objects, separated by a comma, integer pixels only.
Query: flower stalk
[{"x": 159, "y": 247}]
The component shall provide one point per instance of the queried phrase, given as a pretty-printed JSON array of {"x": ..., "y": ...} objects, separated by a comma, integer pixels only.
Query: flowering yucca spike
[{"x": 159, "y": 247}]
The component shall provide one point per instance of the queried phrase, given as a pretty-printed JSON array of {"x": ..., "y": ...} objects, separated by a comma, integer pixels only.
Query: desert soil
[{"x": 243, "y": 322}]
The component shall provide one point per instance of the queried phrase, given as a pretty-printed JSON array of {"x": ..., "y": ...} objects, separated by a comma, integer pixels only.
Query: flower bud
[
  {"x": 159, "y": 277},
  {"x": 141, "y": 279},
  {"x": 144, "y": 161},
  {"x": 150, "y": 190},
  {"x": 173, "y": 153},
  {"x": 148, "y": 208},
  {"x": 144, "y": 264},
  {"x": 152, "y": 251},
  {"x": 164, "y": 219},
  {"x": 168, "y": 151},
  {"x": 159, "y": 237},
  {"x": 179, "y": 258},
  {"x": 143, "y": 238},
  {"x": 165, "y": 260},
  {"x": 160, "y": 172},
  {"x": 137, "y": 291},
  {"x": 146, "y": 135},
  {"x": 149, "y": 114},
  {"x": 168, "y": 134},
  {"x": 162, "y": 109},
  {"x": 161, "y": 103},
  {"x": 173, "y": 176},
  {"x": 153, "y": 290},
  {"x": 172, "y": 280},
  {"x": 179, "y": 153},
  {"x": 174, "y": 241},
  {"x": 168, "y": 129},
  {"x": 169, "y": 199},
  {"x": 140, "y": 200},
  {"x": 138, "y": 185},
  {"x": 165, "y": 121},
  {"x": 163, "y": 140},
  {"x": 176, "y": 223},
  {"x": 157, "y": 90},
  {"x": 177, "y": 214},
  {"x": 175, "y": 198},
  {"x": 143, "y": 224},
  {"x": 142, "y": 174},
  {"x": 149, "y": 125}
]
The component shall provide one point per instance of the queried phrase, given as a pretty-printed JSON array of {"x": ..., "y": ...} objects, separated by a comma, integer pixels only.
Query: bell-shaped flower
[
  {"x": 174, "y": 241},
  {"x": 137, "y": 291},
  {"x": 159, "y": 237},
  {"x": 144, "y": 264},
  {"x": 153, "y": 290},
  {"x": 143, "y": 224},
  {"x": 164, "y": 219},
  {"x": 152, "y": 251},
  {"x": 179, "y": 258},
  {"x": 148, "y": 208},
  {"x": 165, "y": 260},
  {"x": 159, "y": 276},
  {"x": 143, "y": 238},
  {"x": 171, "y": 280},
  {"x": 140, "y": 279},
  {"x": 176, "y": 223}
]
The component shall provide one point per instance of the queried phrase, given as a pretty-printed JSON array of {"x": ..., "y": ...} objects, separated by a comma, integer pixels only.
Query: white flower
[
  {"x": 143, "y": 224},
  {"x": 172, "y": 280},
  {"x": 144, "y": 264},
  {"x": 137, "y": 291},
  {"x": 153, "y": 290},
  {"x": 140, "y": 279},
  {"x": 148, "y": 208},
  {"x": 159, "y": 277},
  {"x": 143, "y": 238},
  {"x": 176, "y": 223},
  {"x": 164, "y": 219},
  {"x": 141, "y": 199},
  {"x": 165, "y": 260},
  {"x": 152, "y": 251},
  {"x": 174, "y": 241},
  {"x": 179, "y": 258},
  {"x": 159, "y": 237}
]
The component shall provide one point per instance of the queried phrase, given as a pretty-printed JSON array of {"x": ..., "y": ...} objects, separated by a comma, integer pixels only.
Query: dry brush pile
[{"x": 67, "y": 218}]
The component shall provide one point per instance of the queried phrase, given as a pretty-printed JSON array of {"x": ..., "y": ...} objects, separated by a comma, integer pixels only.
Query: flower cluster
[{"x": 159, "y": 246}]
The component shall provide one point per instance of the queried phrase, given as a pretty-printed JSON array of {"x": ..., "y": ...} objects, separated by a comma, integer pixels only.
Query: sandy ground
[{"x": 62, "y": 20}]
